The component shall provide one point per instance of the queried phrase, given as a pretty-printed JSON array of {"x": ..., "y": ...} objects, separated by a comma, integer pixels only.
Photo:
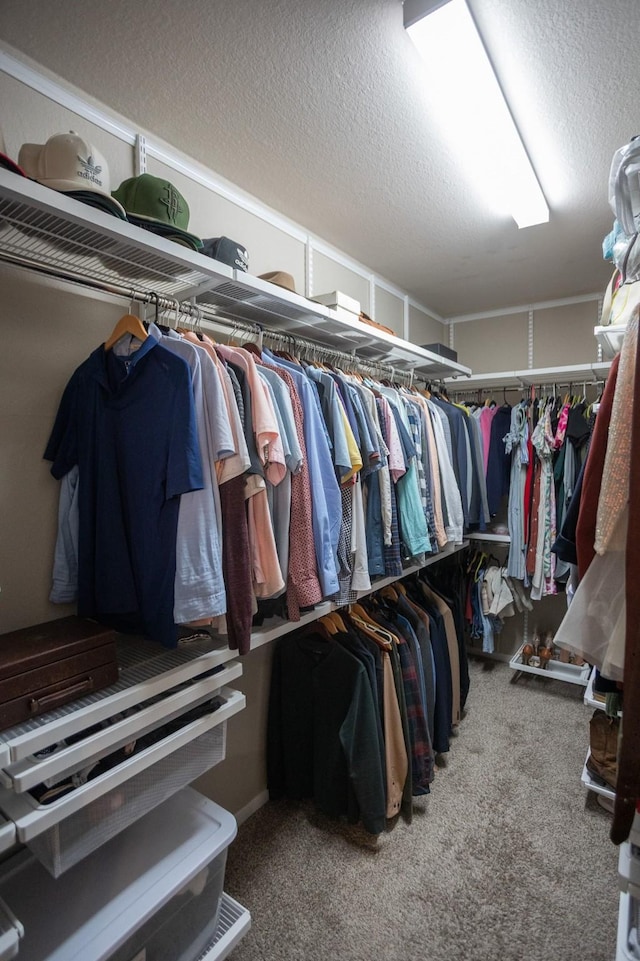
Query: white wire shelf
[
  {"x": 555, "y": 670},
  {"x": 33, "y": 818},
  {"x": 252, "y": 300},
  {"x": 146, "y": 670},
  {"x": 589, "y": 698},
  {"x": 489, "y": 537},
  {"x": 233, "y": 924},
  {"x": 610, "y": 339},
  {"x": 27, "y": 774},
  {"x": 534, "y": 376},
  {"x": 277, "y": 627},
  {"x": 45, "y": 230},
  {"x": 42, "y": 228}
]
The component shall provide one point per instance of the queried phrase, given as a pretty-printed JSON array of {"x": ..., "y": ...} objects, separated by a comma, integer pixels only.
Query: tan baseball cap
[
  {"x": 69, "y": 163},
  {"x": 281, "y": 278}
]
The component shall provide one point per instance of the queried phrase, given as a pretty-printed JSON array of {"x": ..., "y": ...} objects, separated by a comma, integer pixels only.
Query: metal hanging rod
[
  {"x": 316, "y": 351},
  {"x": 205, "y": 314},
  {"x": 119, "y": 290},
  {"x": 476, "y": 392}
]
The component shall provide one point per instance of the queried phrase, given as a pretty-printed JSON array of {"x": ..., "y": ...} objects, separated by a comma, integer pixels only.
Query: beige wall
[
  {"x": 499, "y": 343},
  {"x": 389, "y": 310},
  {"x": 329, "y": 275},
  {"x": 424, "y": 329},
  {"x": 30, "y": 117},
  {"x": 214, "y": 216},
  {"x": 562, "y": 335},
  {"x": 46, "y": 334}
]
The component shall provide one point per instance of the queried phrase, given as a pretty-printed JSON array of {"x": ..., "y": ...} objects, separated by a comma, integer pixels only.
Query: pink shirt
[
  {"x": 486, "y": 417},
  {"x": 239, "y": 462},
  {"x": 265, "y": 424},
  {"x": 397, "y": 466}
]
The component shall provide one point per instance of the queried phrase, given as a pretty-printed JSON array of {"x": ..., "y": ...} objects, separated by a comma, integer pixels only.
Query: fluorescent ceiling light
[{"x": 474, "y": 113}]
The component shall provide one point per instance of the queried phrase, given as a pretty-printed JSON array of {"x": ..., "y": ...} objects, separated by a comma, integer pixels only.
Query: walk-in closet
[{"x": 319, "y": 452}]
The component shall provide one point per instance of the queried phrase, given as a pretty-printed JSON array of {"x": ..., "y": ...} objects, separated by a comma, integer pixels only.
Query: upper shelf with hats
[
  {"x": 65, "y": 236},
  {"x": 58, "y": 216}
]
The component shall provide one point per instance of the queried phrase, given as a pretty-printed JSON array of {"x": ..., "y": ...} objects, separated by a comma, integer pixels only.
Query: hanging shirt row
[
  {"x": 362, "y": 702},
  {"x": 205, "y": 485},
  {"x": 533, "y": 453}
]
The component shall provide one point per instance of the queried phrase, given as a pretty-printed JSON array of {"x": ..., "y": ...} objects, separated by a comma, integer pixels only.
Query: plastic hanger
[
  {"x": 375, "y": 632},
  {"x": 359, "y": 611}
]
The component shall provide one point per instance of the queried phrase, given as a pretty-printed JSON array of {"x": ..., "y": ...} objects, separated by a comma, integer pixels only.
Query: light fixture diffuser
[{"x": 474, "y": 114}]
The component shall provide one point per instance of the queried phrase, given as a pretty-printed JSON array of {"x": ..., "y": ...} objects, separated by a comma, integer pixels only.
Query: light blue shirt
[
  {"x": 413, "y": 522},
  {"x": 332, "y": 413}
]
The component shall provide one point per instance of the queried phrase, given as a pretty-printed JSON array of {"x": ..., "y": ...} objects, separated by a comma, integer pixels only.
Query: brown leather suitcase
[{"x": 48, "y": 665}]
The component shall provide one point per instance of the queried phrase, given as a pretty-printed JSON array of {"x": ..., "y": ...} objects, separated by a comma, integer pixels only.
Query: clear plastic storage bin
[{"x": 153, "y": 892}]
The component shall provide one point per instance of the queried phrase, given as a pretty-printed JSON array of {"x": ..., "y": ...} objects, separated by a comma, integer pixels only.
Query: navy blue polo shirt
[{"x": 129, "y": 425}]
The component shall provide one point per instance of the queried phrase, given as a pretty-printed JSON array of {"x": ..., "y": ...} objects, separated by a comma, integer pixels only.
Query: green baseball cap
[{"x": 156, "y": 204}]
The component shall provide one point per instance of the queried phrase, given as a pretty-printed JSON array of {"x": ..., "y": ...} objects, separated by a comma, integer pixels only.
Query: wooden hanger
[
  {"x": 337, "y": 620},
  {"x": 389, "y": 592},
  {"x": 129, "y": 324},
  {"x": 328, "y": 624},
  {"x": 334, "y": 623},
  {"x": 252, "y": 348}
]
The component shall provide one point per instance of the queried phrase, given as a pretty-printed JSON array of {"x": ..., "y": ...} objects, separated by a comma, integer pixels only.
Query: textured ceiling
[{"x": 317, "y": 108}]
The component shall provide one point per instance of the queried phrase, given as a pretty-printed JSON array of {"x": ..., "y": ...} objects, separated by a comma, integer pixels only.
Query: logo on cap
[
  {"x": 172, "y": 202},
  {"x": 90, "y": 170},
  {"x": 242, "y": 258}
]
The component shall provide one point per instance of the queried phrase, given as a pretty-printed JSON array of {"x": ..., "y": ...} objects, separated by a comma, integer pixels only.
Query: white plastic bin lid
[{"x": 96, "y": 906}]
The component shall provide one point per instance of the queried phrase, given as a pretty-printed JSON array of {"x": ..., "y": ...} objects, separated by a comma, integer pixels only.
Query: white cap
[{"x": 67, "y": 162}]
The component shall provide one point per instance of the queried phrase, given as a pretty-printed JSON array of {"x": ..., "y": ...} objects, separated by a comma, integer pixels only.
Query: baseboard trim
[{"x": 254, "y": 805}]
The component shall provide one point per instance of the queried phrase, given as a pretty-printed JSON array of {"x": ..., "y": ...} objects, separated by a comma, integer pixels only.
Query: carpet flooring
[{"x": 508, "y": 859}]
